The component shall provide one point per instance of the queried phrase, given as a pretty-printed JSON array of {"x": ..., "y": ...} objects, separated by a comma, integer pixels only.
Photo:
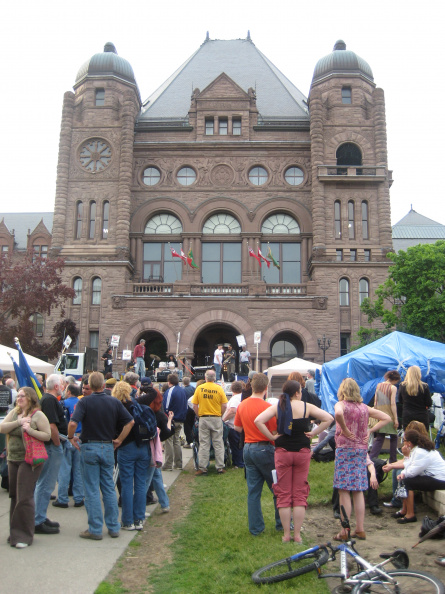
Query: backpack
[
  {"x": 378, "y": 465},
  {"x": 145, "y": 426}
]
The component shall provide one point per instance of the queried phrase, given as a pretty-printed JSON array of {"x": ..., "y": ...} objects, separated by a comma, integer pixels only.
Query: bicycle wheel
[
  {"x": 289, "y": 568},
  {"x": 409, "y": 581}
]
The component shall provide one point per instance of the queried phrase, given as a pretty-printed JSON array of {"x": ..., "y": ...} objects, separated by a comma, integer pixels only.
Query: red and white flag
[
  {"x": 260, "y": 255},
  {"x": 176, "y": 255},
  {"x": 253, "y": 255}
]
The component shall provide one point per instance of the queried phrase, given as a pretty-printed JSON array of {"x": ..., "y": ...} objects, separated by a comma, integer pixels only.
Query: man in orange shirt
[{"x": 258, "y": 453}]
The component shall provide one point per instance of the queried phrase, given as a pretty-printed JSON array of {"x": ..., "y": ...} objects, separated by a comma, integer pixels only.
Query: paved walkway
[{"x": 63, "y": 563}]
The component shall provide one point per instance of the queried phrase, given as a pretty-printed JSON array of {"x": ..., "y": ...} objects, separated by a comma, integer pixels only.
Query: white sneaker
[
  {"x": 165, "y": 510},
  {"x": 138, "y": 525},
  {"x": 147, "y": 514},
  {"x": 128, "y": 527},
  {"x": 21, "y": 545}
]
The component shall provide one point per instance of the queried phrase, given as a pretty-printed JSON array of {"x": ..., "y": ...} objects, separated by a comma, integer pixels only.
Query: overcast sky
[{"x": 43, "y": 45}]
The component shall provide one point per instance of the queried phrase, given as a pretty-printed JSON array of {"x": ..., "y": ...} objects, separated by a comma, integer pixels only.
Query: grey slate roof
[
  {"x": 416, "y": 226},
  {"x": 277, "y": 97},
  {"x": 24, "y": 222}
]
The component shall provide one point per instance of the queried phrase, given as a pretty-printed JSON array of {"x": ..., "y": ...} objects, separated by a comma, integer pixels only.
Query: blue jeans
[
  {"x": 217, "y": 371},
  {"x": 237, "y": 453},
  {"x": 134, "y": 463},
  {"x": 47, "y": 481},
  {"x": 140, "y": 366},
  {"x": 97, "y": 472},
  {"x": 259, "y": 461},
  {"x": 70, "y": 462},
  {"x": 155, "y": 475}
]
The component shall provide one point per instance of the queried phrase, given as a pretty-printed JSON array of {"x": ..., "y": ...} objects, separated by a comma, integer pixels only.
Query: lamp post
[{"x": 323, "y": 344}]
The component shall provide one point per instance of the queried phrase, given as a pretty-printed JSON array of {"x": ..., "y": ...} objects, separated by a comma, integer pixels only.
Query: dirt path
[{"x": 152, "y": 547}]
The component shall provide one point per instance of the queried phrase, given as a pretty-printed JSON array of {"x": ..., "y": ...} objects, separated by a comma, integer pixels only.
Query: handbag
[
  {"x": 35, "y": 450},
  {"x": 401, "y": 492}
]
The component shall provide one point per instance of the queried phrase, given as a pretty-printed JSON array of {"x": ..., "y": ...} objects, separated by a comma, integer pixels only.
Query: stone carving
[
  {"x": 117, "y": 302},
  {"x": 222, "y": 175},
  {"x": 320, "y": 303}
]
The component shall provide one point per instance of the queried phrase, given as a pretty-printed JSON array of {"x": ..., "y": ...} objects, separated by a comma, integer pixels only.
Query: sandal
[
  {"x": 359, "y": 535},
  {"x": 398, "y": 514},
  {"x": 341, "y": 537},
  {"x": 406, "y": 520}
]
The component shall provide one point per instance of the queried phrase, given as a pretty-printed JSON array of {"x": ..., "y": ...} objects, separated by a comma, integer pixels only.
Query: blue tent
[{"x": 369, "y": 364}]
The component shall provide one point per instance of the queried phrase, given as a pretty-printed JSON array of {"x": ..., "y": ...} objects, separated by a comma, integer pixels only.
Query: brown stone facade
[{"x": 299, "y": 313}]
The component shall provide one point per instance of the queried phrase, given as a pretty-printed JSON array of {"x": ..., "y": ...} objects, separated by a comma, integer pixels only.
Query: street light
[{"x": 323, "y": 344}]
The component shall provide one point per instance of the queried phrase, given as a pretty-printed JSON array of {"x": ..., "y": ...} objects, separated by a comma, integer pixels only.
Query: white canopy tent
[
  {"x": 37, "y": 365},
  {"x": 288, "y": 367}
]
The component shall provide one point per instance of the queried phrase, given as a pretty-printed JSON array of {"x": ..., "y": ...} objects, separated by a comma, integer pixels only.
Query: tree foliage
[
  {"x": 30, "y": 286},
  {"x": 412, "y": 299}
]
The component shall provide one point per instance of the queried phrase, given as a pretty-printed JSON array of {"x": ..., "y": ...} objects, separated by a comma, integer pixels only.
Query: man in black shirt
[
  {"x": 101, "y": 417},
  {"x": 52, "y": 408}
]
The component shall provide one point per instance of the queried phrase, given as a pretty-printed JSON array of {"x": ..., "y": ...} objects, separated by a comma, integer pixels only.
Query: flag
[
  {"x": 260, "y": 255},
  {"x": 176, "y": 255},
  {"x": 253, "y": 255},
  {"x": 274, "y": 262},
  {"x": 184, "y": 258},
  {"x": 28, "y": 375},
  {"x": 191, "y": 260},
  {"x": 18, "y": 374}
]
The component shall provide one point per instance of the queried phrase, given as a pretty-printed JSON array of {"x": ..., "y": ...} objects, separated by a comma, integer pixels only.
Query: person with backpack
[
  {"x": 134, "y": 458},
  {"x": 175, "y": 400}
]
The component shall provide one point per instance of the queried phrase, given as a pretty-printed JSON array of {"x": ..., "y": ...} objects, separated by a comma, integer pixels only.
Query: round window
[
  {"x": 258, "y": 176},
  {"x": 151, "y": 176},
  {"x": 294, "y": 176},
  {"x": 186, "y": 176}
]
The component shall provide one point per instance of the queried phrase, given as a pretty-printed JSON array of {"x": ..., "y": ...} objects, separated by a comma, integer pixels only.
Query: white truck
[{"x": 77, "y": 364}]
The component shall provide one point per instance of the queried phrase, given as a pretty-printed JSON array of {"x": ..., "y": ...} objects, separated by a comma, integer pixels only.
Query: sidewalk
[{"x": 64, "y": 562}]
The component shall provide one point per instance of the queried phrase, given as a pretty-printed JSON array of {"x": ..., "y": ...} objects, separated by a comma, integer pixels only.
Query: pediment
[
  {"x": 41, "y": 230},
  {"x": 223, "y": 87},
  {"x": 4, "y": 229}
]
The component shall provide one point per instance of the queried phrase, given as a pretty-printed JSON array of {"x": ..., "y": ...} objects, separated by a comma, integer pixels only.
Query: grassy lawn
[{"x": 213, "y": 551}]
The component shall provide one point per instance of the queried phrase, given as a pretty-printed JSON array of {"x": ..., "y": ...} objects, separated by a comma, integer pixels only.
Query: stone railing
[
  {"x": 351, "y": 172},
  {"x": 152, "y": 289},
  {"x": 285, "y": 289},
  {"x": 219, "y": 290},
  {"x": 205, "y": 290}
]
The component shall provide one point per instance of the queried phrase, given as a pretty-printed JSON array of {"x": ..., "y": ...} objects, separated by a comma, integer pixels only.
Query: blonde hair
[
  {"x": 413, "y": 383},
  {"x": 349, "y": 391},
  {"x": 417, "y": 426},
  {"x": 33, "y": 401},
  {"x": 122, "y": 391}
]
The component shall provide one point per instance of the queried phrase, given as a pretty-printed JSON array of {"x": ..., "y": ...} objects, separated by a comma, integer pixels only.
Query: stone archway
[{"x": 309, "y": 342}]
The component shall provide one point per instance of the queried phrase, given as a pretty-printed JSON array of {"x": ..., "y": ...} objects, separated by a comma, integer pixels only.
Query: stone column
[
  {"x": 384, "y": 207},
  {"x": 317, "y": 154},
  {"x": 60, "y": 207}
]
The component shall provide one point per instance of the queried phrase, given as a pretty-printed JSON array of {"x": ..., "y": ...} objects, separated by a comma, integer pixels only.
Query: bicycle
[{"x": 369, "y": 578}]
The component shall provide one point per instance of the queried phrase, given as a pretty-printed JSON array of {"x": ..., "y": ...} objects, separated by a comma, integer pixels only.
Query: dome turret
[
  {"x": 341, "y": 61},
  {"x": 107, "y": 63}
]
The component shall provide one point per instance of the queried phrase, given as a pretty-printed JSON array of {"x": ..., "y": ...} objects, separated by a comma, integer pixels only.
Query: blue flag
[
  {"x": 26, "y": 372},
  {"x": 18, "y": 374}
]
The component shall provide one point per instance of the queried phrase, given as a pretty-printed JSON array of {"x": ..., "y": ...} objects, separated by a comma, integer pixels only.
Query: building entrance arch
[
  {"x": 285, "y": 346},
  {"x": 208, "y": 339},
  {"x": 155, "y": 346}
]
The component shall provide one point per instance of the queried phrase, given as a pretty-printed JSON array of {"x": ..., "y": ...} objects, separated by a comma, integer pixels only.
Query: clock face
[{"x": 95, "y": 155}]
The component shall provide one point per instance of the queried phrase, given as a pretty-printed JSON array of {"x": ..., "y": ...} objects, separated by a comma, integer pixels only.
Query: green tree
[{"x": 412, "y": 299}]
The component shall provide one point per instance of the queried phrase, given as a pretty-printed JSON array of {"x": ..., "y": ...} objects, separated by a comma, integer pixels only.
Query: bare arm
[
  {"x": 196, "y": 408},
  {"x": 262, "y": 419},
  {"x": 394, "y": 406},
  {"x": 229, "y": 414},
  {"x": 340, "y": 420},
  {"x": 54, "y": 434},
  {"x": 323, "y": 416},
  {"x": 383, "y": 419},
  {"x": 223, "y": 408},
  {"x": 373, "y": 479},
  {"x": 123, "y": 434}
]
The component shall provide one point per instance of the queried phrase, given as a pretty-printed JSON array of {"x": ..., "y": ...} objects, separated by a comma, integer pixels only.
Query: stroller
[{"x": 195, "y": 446}]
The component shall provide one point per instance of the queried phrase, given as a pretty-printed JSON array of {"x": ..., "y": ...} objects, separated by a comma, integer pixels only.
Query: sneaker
[
  {"x": 166, "y": 468},
  {"x": 128, "y": 527},
  {"x": 57, "y": 503},
  {"x": 147, "y": 514},
  {"x": 165, "y": 510},
  {"x": 138, "y": 525},
  {"x": 21, "y": 545},
  {"x": 113, "y": 534},
  {"x": 90, "y": 535},
  {"x": 201, "y": 473},
  {"x": 79, "y": 503}
]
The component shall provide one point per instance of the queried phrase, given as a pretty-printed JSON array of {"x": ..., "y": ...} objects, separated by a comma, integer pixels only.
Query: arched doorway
[
  {"x": 285, "y": 346},
  {"x": 209, "y": 338},
  {"x": 155, "y": 344}
]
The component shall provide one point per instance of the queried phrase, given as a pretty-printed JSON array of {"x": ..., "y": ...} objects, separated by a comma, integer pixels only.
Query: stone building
[{"x": 226, "y": 156}]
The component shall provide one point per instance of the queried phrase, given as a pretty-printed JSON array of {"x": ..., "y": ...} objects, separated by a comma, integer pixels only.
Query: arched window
[
  {"x": 105, "y": 219},
  {"x": 92, "y": 224},
  {"x": 79, "y": 213},
  {"x": 363, "y": 288},
  {"x": 77, "y": 286},
  {"x": 96, "y": 291},
  {"x": 285, "y": 346},
  {"x": 37, "y": 323},
  {"x": 343, "y": 288},
  {"x": 280, "y": 224},
  {"x": 163, "y": 224},
  {"x": 337, "y": 219},
  {"x": 348, "y": 154},
  {"x": 351, "y": 220},
  {"x": 365, "y": 227},
  {"x": 221, "y": 223}
]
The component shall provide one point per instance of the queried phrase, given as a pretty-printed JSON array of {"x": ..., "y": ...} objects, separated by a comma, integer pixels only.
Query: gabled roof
[
  {"x": 416, "y": 226},
  {"x": 277, "y": 97},
  {"x": 24, "y": 222}
]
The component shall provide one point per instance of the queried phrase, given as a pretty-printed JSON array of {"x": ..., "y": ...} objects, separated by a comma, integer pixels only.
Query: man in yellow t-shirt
[{"x": 209, "y": 403}]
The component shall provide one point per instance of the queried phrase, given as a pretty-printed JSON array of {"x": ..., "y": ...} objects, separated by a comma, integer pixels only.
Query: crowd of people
[{"x": 89, "y": 431}]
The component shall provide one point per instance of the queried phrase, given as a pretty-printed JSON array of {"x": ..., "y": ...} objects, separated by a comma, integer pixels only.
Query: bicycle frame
[{"x": 363, "y": 577}]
